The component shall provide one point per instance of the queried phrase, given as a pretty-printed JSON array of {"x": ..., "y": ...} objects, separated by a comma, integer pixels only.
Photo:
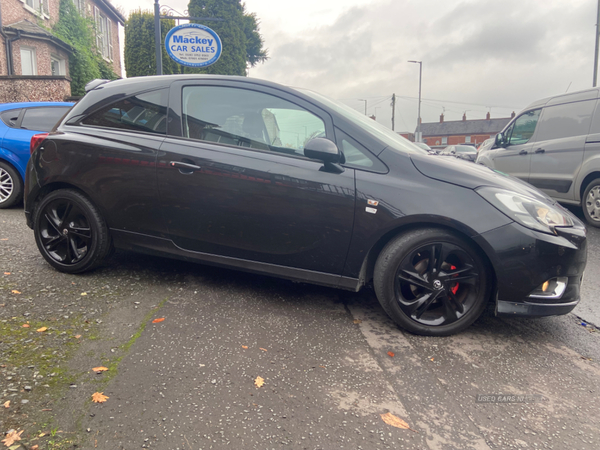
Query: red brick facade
[{"x": 25, "y": 28}]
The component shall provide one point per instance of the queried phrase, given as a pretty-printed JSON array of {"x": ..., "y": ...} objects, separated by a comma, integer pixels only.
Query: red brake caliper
[{"x": 454, "y": 288}]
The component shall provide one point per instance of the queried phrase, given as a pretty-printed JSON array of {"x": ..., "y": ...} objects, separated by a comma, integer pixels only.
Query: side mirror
[
  {"x": 500, "y": 140},
  {"x": 324, "y": 150}
]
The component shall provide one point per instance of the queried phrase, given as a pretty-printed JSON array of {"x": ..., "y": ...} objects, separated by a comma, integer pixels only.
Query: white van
[{"x": 554, "y": 144}]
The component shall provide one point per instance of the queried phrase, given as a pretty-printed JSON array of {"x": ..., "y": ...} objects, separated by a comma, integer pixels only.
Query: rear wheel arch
[
  {"x": 586, "y": 181},
  {"x": 18, "y": 183}
]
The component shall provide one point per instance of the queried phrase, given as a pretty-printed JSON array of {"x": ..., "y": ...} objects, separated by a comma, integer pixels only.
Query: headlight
[{"x": 527, "y": 211}]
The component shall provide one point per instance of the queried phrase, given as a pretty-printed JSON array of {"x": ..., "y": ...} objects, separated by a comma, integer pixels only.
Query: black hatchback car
[{"x": 249, "y": 174}]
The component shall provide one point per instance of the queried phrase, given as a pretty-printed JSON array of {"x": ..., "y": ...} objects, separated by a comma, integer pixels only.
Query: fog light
[{"x": 551, "y": 289}]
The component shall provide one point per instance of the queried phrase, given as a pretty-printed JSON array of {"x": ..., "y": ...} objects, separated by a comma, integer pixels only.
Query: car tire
[
  {"x": 11, "y": 186},
  {"x": 436, "y": 296},
  {"x": 590, "y": 203},
  {"x": 70, "y": 232}
]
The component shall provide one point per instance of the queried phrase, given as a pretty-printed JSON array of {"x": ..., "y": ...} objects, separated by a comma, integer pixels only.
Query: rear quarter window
[{"x": 43, "y": 118}]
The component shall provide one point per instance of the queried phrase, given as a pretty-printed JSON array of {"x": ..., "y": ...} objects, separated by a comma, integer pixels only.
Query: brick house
[
  {"x": 34, "y": 64},
  {"x": 441, "y": 134}
]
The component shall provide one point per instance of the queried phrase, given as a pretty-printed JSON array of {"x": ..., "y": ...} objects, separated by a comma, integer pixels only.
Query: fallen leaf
[
  {"x": 41, "y": 330},
  {"x": 84, "y": 293},
  {"x": 323, "y": 367},
  {"x": 35, "y": 447},
  {"x": 245, "y": 347},
  {"x": 259, "y": 381},
  {"x": 5, "y": 239},
  {"x": 357, "y": 321},
  {"x": 394, "y": 421},
  {"x": 263, "y": 349},
  {"x": 14, "y": 291},
  {"x": 158, "y": 320},
  {"x": 12, "y": 437},
  {"x": 100, "y": 369},
  {"x": 6, "y": 273},
  {"x": 77, "y": 336},
  {"x": 432, "y": 359},
  {"x": 25, "y": 325},
  {"x": 42, "y": 434},
  {"x": 98, "y": 397},
  {"x": 7, "y": 404},
  {"x": 392, "y": 354}
]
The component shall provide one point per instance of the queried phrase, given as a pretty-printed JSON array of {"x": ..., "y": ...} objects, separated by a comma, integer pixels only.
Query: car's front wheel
[
  {"x": 432, "y": 282},
  {"x": 11, "y": 186},
  {"x": 70, "y": 232}
]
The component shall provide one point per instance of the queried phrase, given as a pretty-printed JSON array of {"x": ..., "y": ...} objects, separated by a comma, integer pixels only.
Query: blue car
[{"x": 18, "y": 122}]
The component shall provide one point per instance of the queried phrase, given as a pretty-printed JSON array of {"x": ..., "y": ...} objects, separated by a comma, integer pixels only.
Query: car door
[
  {"x": 557, "y": 153},
  {"x": 514, "y": 158},
  {"x": 233, "y": 180}
]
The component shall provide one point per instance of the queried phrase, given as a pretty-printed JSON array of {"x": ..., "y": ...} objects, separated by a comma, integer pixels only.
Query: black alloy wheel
[
  {"x": 432, "y": 282},
  {"x": 69, "y": 232}
]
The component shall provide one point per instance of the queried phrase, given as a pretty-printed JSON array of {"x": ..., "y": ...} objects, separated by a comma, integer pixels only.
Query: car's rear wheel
[
  {"x": 591, "y": 203},
  {"x": 70, "y": 232},
  {"x": 11, "y": 186},
  {"x": 432, "y": 282}
]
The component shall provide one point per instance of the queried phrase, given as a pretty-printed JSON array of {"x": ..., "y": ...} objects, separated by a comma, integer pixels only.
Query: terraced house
[{"x": 34, "y": 64}]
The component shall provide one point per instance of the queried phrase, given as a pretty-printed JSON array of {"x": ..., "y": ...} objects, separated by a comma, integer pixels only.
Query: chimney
[
  {"x": 441, "y": 118},
  {"x": 487, "y": 117},
  {"x": 512, "y": 115},
  {"x": 464, "y": 117}
]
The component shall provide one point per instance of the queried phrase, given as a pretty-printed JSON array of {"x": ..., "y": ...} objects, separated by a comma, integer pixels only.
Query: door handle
[
  {"x": 540, "y": 150},
  {"x": 523, "y": 152},
  {"x": 185, "y": 168}
]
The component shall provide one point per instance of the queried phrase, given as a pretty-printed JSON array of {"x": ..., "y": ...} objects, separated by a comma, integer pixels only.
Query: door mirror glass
[
  {"x": 323, "y": 150},
  {"x": 500, "y": 140}
]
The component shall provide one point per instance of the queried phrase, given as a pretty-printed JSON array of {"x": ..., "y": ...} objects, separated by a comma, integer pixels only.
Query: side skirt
[{"x": 127, "y": 240}]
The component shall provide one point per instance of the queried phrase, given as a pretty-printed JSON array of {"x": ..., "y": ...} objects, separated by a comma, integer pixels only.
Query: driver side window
[{"x": 521, "y": 131}]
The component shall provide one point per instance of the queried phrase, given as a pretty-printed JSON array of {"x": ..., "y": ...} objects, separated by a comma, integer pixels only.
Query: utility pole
[
  {"x": 418, "y": 132},
  {"x": 394, "y": 108},
  {"x": 597, "y": 43},
  {"x": 361, "y": 100}
]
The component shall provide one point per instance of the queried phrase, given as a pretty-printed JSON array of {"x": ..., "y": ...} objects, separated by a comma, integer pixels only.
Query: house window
[
  {"x": 103, "y": 34},
  {"x": 467, "y": 139},
  {"x": 444, "y": 141},
  {"x": 80, "y": 5},
  {"x": 28, "y": 62},
  {"x": 58, "y": 66}
]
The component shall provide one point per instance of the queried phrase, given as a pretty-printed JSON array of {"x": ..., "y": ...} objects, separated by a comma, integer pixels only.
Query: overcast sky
[{"x": 478, "y": 55}]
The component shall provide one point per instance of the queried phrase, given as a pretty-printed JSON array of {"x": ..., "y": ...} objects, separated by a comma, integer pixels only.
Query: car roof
[{"x": 7, "y": 106}]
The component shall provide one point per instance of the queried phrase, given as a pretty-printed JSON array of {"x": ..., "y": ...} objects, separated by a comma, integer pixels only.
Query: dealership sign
[{"x": 193, "y": 45}]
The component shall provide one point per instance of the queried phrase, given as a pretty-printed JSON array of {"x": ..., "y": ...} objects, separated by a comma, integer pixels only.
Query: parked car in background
[
  {"x": 486, "y": 145},
  {"x": 466, "y": 152},
  {"x": 423, "y": 145},
  {"x": 248, "y": 174},
  {"x": 18, "y": 122},
  {"x": 554, "y": 144}
]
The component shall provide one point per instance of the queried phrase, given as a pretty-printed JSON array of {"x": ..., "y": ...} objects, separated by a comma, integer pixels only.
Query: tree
[
  {"x": 140, "y": 55},
  {"x": 85, "y": 63},
  {"x": 242, "y": 42}
]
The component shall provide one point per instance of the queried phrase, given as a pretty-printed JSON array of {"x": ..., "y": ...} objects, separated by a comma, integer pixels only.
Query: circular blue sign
[{"x": 193, "y": 45}]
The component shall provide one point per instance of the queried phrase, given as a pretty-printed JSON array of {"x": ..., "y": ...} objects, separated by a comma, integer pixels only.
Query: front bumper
[{"x": 523, "y": 259}]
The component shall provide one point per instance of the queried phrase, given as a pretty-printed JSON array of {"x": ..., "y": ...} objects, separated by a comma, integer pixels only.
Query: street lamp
[
  {"x": 361, "y": 100},
  {"x": 418, "y": 137}
]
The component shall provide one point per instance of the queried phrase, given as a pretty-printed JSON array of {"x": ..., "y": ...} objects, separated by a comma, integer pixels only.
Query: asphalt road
[{"x": 331, "y": 362}]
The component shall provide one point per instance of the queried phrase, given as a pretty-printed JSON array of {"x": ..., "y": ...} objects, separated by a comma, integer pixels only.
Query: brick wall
[
  {"x": 455, "y": 140},
  {"x": 116, "y": 48},
  {"x": 14, "y": 11},
  {"x": 34, "y": 89},
  {"x": 43, "y": 51}
]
